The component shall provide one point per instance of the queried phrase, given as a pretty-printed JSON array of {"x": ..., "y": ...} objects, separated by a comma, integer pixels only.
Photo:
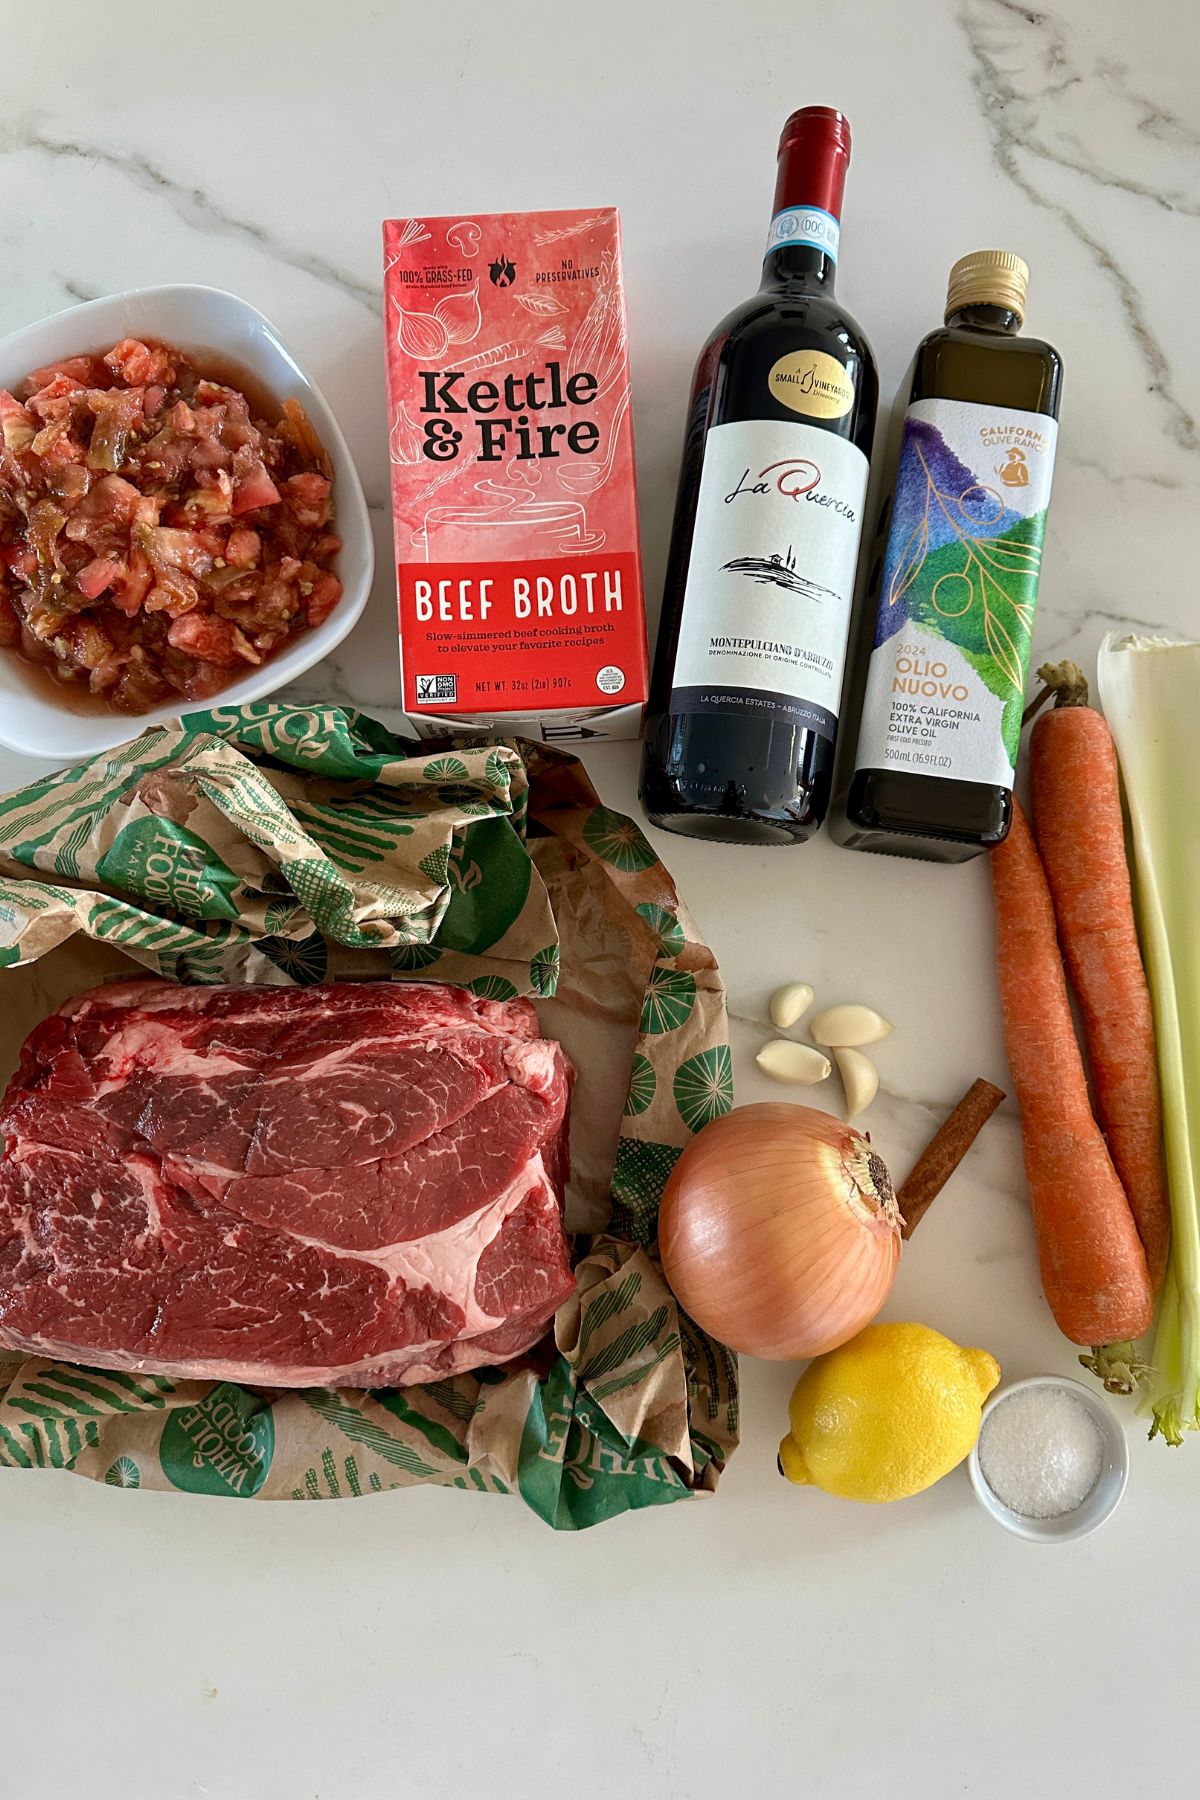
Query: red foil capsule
[{"x": 814, "y": 155}]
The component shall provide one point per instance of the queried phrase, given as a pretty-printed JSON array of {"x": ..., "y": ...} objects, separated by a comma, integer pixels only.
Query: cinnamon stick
[{"x": 945, "y": 1150}]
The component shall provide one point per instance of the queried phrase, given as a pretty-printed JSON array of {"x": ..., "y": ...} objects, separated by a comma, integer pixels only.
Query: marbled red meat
[
  {"x": 356, "y": 1184},
  {"x": 156, "y": 536}
]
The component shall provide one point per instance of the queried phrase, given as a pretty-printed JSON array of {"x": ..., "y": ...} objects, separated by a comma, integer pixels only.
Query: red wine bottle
[{"x": 756, "y": 611}]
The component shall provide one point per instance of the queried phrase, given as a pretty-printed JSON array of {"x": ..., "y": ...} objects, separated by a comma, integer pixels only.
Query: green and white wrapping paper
[{"x": 271, "y": 843}]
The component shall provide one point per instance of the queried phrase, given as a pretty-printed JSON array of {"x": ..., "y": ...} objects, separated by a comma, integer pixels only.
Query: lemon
[{"x": 887, "y": 1415}]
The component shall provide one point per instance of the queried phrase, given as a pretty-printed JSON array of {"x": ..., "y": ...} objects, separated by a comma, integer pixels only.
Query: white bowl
[
  {"x": 1099, "y": 1505},
  {"x": 196, "y": 319}
]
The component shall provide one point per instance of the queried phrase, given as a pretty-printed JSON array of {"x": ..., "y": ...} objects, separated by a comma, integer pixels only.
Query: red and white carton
[{"x": 513, "y": 487}]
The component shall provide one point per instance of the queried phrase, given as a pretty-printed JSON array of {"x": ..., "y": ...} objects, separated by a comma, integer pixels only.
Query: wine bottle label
[
  {"x": 810, "y": 225},
  {"x": 946, "y": 680},
  {"x": 766, "y": 606}
]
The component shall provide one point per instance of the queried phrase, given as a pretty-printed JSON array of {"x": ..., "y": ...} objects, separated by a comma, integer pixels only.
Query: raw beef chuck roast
[{"x": 359, "y": 1184}]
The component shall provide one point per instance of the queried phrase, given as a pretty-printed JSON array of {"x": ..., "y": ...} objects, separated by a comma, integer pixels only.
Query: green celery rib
[{"x": 1149, "y": 689}]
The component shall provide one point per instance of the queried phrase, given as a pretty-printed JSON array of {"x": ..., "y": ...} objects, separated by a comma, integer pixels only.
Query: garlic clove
[
  {"x": 860, "y": 1079},
  {"x": 846, "y": 1027},
  {"x": 790, "y": 1003},
  {"x": 799, "y": 1064}
]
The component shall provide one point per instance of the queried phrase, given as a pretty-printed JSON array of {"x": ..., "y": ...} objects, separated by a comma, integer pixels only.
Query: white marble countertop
[{"x": 773, "y": 1639}]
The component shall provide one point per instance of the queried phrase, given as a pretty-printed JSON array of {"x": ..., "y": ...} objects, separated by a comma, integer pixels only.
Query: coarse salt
[{"x": 1041, "y": 1452}]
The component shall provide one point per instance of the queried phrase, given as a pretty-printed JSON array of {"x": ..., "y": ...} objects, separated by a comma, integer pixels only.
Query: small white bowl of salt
[{"x": 1051, "y": 1460}]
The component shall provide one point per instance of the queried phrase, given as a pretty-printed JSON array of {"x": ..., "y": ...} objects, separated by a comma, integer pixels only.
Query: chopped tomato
[
  {"x": 174, "y": 594},
  {"x": 97, "y": 575},
  {"x": 308, "y": 497},
  {"x": 190, "y": 550},
  {"x": 243, "y": 549},
  {"x": 16, "y": 423},
  {"x": 137, "y": 364},
  {"x": 102, "y": 518},
  {"x": 19, "y": 558},
  {"x": 139, "y": 684},
  {"x": 133, "y": 583},
  {"x": 45, "y": 523},
  {"x": 90, "y": 644},
  {"x": 326, "y": 592},
  {"x": 79, "y": 371},
  {"x": 116, "y": 415},
  {"x": 299, "y": 428},
  {"x": 213, "y": 640},
  {"x": 254, "y": 489},
  {"x": 55, "y": 445},
  {"x": 68, "y": 482},
  {"x": 210, "y": 502}
]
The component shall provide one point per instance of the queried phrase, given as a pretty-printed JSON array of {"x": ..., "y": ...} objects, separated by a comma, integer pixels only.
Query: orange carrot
[
  {"x": 1080, "y": 834},
  {"x": 1093, "y": 1267}
]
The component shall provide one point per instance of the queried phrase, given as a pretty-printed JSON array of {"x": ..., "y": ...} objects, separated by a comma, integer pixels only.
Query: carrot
[
  {"x": 1076, "y": 796},
  {"x": 1093, "y": 1267}
]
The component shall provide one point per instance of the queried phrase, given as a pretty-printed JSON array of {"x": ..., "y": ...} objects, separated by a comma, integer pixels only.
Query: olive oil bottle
[{"x": 946, "y": 635}]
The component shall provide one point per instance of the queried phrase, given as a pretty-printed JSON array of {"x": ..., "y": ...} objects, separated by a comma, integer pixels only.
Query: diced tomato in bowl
[
  {"x": 155, "y": 527},
  {"x": 87, "y": 660}
]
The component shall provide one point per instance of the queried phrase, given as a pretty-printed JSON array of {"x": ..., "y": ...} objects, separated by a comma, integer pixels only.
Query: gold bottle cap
[{"x": 988, "y": 278}]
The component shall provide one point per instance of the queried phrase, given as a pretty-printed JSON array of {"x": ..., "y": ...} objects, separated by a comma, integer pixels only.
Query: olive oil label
[
  {"x": 766, "y": 608},
  {"x": 812, "y": 382},
  {"x": 946, "y": 680}
]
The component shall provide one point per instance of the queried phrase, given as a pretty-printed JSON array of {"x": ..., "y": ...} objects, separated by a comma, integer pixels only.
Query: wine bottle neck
[
  {"x": 799, "y": 264},
  {"x": 802, "y": 244}
]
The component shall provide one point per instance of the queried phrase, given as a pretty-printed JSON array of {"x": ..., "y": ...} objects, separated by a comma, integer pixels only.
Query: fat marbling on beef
[{"x": 358, "y": 1184}]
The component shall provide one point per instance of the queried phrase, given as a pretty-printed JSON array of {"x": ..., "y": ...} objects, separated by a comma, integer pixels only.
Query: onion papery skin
[{"x": 779, "y": 1231}]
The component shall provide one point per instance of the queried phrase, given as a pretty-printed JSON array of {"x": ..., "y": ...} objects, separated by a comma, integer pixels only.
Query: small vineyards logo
[
  {"x": 812, "y": 382},
  {"x": 502, "y": 271}
]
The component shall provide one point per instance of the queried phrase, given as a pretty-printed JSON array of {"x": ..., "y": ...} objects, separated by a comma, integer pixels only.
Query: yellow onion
[{"x": 779, "y": 1231}]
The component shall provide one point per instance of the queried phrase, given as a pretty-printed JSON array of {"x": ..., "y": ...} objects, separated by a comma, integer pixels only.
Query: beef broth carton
[{"x": 513, "y": 487}]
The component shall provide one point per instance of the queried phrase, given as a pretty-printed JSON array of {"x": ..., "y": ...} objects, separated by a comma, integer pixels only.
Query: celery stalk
[{"x": 1150, "y": 691}]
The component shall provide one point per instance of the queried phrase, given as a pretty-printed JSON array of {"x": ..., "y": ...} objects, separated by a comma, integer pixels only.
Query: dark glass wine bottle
[
  {"x": 943, "y": 656},
  {"x": 746, "y": 686}
]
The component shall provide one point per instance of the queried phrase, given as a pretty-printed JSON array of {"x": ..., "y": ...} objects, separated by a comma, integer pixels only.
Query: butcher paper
[{"x": 275, "y": 843}]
